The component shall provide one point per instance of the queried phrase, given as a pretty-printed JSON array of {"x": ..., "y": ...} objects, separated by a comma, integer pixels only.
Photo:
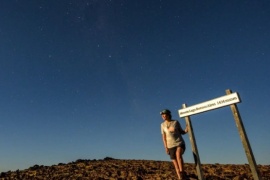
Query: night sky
[{"x": 86, "y": 79}]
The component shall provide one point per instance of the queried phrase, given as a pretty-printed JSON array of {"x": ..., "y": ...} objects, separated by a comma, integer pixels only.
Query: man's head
[{"x": 166, "y": 114}]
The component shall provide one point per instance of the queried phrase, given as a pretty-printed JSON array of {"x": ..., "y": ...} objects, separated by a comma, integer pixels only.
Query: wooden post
[
  {"x": 244, "y": 139},
  {"x": 194, "y": 147}
]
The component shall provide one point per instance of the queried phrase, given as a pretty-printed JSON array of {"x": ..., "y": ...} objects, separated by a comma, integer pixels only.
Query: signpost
[
  {"x": 194, "y": 146},
  {"x": 210, "y": 105},
  {"x": 228, "y": 100}
]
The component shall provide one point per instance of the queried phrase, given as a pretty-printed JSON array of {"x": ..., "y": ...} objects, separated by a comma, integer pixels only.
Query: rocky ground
[{"x": 116, "y": 169}]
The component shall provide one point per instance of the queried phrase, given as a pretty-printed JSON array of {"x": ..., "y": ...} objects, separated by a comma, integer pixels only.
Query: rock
[{"x": 116, "y": 169}]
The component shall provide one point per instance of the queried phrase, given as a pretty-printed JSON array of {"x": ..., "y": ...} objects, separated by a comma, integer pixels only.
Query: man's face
[{"x": 165, "y": 116}]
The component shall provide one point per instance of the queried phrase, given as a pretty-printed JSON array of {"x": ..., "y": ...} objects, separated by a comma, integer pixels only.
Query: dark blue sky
[{"x": 87, "y": 78}]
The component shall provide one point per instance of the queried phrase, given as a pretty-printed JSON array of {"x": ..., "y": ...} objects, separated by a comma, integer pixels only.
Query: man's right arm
[{"x": 165, "y": 142}]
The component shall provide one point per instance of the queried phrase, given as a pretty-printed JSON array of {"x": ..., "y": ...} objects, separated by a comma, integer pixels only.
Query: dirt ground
[{"x": 117, "y": 169}]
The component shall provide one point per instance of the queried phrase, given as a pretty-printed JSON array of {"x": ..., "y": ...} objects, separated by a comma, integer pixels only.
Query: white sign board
[{"x": 209, "y": 105}]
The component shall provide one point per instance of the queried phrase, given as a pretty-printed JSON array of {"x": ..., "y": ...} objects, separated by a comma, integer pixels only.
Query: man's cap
[{"x": 165, "y": 111}]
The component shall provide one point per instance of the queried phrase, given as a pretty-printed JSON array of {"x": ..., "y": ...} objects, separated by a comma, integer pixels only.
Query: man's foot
[{"x": 183, "y": 175}]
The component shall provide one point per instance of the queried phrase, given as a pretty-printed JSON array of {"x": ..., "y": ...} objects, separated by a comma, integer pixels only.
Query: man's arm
[
  {"x": 180, "y": 128},
  {"x": 165, "y": 142}
]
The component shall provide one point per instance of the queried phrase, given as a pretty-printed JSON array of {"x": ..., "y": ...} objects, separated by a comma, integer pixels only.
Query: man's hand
[
  {"x": 186, "y": 130},
  {"x": 167, "y": 150}
]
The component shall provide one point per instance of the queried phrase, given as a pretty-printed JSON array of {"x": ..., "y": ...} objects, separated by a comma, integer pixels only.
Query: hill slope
[{"x": 109, "y": 168}]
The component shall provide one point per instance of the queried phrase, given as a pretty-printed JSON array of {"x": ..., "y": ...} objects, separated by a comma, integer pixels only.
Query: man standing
[{"x": 173, "y": 142}]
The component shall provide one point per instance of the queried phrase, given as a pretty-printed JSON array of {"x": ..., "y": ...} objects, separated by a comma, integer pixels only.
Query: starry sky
[{"x": 86, "y": 79}]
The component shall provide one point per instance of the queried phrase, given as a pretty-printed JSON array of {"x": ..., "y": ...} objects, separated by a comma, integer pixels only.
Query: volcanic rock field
[{"x": 118, "y": 169}]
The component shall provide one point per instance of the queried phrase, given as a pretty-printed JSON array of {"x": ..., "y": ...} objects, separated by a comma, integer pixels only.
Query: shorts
[{"x": 172, "y": 151}]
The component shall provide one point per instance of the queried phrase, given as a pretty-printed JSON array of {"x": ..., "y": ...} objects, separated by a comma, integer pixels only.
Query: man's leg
[
  {"x": 180, "y": 161},
  {"x": 175, "y": 163}
]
